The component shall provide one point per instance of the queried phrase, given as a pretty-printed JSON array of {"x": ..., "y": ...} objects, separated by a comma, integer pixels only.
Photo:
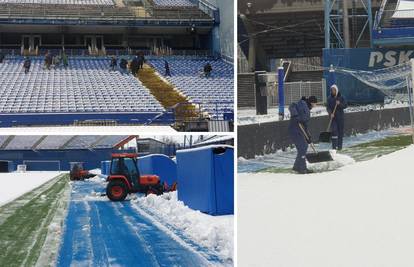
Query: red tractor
[
  {"x": 77, "y": 172},
  {"x": 125, "y": 178}
]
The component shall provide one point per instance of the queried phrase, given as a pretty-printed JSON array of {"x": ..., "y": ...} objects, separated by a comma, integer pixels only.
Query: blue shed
[
  {"x": 160, "y": 165},
  {"x": 206, "y": 179}
]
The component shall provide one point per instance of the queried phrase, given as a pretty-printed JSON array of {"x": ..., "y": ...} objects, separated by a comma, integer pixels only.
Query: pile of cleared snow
[
  {"x": 213, "y": 232},
  {"x": 14, "y": 185},
  {"x": 358, "y": 215},
  {"x": 339, "y": 160}
]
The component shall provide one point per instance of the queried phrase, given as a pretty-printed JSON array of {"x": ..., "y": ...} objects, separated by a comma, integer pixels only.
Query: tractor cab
[{"x": 125, "y": 178}]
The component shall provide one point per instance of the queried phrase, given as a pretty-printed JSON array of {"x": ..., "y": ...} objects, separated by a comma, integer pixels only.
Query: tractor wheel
[{"x": 116, "y": 190}]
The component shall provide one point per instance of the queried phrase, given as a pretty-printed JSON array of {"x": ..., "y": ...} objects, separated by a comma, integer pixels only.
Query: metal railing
[{"x": 293, "y": 92}]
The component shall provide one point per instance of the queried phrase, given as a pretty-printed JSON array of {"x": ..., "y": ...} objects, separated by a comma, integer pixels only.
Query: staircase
[
  {"x": 38, "y": 142},
  {"x": 167, "y": 95}
]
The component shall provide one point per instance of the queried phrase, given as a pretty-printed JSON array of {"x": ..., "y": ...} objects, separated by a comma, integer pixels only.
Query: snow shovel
[
  {"x": 316, "y": 156},
  {"x": 325, "y": 137}
]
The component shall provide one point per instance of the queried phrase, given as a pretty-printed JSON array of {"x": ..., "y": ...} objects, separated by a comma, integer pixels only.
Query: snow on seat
[
  {"x": 54, "y": 141},
  {"x": 215, "y": 94},
  {"x": 61, "y": 2},
  {"x": 110, "y": 141},
  {"x": 86, "y": 85},
  {"x": 22, "y": 142},
  {"x": 82, "y": 142},
  {"x": 174, "y": 3}
]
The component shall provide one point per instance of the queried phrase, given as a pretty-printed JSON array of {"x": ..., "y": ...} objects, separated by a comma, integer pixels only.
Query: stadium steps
[
  {"x": 38, "y": 142},
  {"x": 167, "y": 95},
  {"x": 67, "y": 142},
  {"x": 7, "y": 142}
]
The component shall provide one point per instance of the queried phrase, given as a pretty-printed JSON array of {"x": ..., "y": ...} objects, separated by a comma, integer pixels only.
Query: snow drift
[
  {"x": 358, "y": 215},
  {"x": 213, "y": 232}
]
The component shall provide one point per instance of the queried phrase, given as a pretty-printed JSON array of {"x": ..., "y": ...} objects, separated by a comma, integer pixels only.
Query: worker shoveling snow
[{"x": 358, "y": 215}]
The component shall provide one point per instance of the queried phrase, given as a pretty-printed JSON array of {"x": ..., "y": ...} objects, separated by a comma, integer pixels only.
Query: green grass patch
[
  {"x": 394, "y": 141},
  {"x": 22, "y": 234}
]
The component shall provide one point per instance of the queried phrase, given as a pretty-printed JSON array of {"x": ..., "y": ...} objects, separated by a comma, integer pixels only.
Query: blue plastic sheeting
[
  {"x": 105, "y": 233},
  {"x": 160, "y": 165},
  {"x": 206, "y": 179},
  {"x": 105, "y": 167},
  {"x": 366, "y": 59}
]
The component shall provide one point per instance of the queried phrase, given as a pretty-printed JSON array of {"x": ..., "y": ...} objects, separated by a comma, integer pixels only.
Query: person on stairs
[
  {"x": 298, "y": 131},
  {"x": 338, "y": 117}
]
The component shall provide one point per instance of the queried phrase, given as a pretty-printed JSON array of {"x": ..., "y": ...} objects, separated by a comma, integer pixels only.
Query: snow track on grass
[
  {"x": 358, "y": 215},
  {"x": 17, "y": 184}
]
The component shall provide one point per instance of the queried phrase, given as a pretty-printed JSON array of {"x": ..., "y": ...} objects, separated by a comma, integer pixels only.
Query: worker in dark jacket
[
  {"x": 167, "y": 68},
  {"x": 337, "y": 125},
  {"x": 26, "y": 65},
  {"x": 299, "y": 119}
]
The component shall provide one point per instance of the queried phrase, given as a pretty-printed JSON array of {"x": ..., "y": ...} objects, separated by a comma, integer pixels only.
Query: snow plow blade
[
  {"x": 319, "y": 157},
  {"x": 325, "y": 137}
]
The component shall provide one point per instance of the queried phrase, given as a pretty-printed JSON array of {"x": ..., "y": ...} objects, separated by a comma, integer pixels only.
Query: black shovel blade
[
  {"x": 319, "y": 157},
  {"x": 325, "y": 137}
]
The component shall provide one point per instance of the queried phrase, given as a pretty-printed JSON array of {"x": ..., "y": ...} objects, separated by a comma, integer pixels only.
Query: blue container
[
  {"x": 105, "y": 167},
  {"x": 206, "y": 179},
  {"x": 160, "y": 165}
]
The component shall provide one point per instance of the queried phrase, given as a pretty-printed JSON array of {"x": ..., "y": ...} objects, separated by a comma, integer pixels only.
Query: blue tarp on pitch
[
  {"x": 160, "y": 165},
  {"x": 206, "y": 179}
]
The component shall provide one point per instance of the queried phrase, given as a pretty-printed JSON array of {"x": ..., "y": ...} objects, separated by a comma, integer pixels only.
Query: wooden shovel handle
[
  {"x": 307, "y": 137},
  {"x": 330, "y": 121}
]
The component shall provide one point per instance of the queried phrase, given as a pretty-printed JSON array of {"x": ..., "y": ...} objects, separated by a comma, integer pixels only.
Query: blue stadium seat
[
  {"x": 214, "y": 94},
  {"x": 174, "y": 3},
  {"x": 61, "y": 2},
  {"x": 86, "y": 85}
]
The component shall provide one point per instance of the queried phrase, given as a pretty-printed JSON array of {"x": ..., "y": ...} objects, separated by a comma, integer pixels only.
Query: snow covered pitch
[
  {"x": 14, "y": 184},
  {"x": 359, "y": 215}
]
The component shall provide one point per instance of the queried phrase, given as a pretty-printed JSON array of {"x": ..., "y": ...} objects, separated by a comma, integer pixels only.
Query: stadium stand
[
  {"x": 50, "y": 142},
  {"x": 22, "y": 142},
  {"x": 54, "y": 141},
  {"x": 213, "y": 94},
  {"x": 85, "y": 86},
  {"x": 173, "y": 3},
  {"x": 61, "y": 2}
]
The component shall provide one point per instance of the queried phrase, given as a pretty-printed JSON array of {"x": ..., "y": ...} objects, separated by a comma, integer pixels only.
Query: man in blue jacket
[
  {"x": 300, "y": 116},
  {"x": 338, "y": 120}
]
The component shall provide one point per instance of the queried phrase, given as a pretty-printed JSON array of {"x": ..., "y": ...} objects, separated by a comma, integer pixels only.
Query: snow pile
[
  {"x": 339, "y": 160},
  {"x": 213, "y": 232},
  {"x": 358, "y": 215},
  {"x": 16, "y": 184}
]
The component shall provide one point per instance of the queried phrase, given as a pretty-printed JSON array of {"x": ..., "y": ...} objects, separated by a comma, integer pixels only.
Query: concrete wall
[
  {"x": 265, "y": 138},
  {"x": 225, "y": 31}
]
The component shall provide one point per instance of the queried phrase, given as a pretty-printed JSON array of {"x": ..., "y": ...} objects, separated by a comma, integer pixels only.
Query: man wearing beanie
[
  {"x": 300, "y": 116},
  {"x": 337, "y": 115}
]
